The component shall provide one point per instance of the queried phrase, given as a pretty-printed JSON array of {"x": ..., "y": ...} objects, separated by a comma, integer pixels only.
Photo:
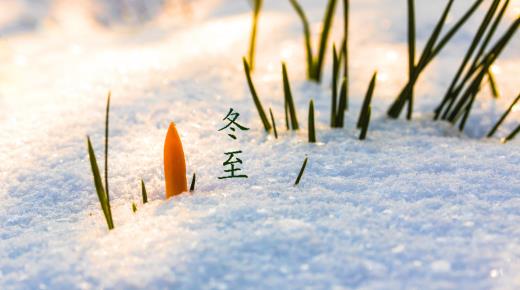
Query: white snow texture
[{"x": 417, "y": 205}]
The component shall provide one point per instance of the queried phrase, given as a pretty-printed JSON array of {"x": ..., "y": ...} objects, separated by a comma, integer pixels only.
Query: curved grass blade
[
  {"x": 257, "y": 6},
  {"x": 307, "y": 36},
  {"x": 289, "y": 98},
  {"x": 98, "y": 183},
  {"x": 258, "y": 104},
  {"x": 106, "y": 146},
  {"x": 367, "y": 101},
  {"x": 301, "y": 171}
]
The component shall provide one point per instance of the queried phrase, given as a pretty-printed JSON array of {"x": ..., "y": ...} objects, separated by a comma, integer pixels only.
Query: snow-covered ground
[{"x": 417, "y": 205}]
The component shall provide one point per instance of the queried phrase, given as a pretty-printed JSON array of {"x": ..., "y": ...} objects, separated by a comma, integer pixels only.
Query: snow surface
[{"x": 417, "y": 205}]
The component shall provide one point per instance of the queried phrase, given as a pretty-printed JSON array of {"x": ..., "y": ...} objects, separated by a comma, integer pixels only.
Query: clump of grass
[
  {"x": 315, "y": 63},
  {"x": 365, "y": 109},
  {"x": 312, "y": 128},
  {"x": 301, "y": 171},
  {"x": 102, "y": 191},
  {"x": 258, "y": 104},
  {"x": 144, "y": 194},
  {"x": 288, "y": 97},
  {"x": 512, "y": 135},
  {"x": 462, "y": 98},
  {"x": 193, "y": 180},
  {"x": 503, "y": 117},
  {"x": 257, "y": 6},
  {"x": 433, "y": 47},
  {"x": 274, "y": 124},
  {"x": 481, "y": 38}
]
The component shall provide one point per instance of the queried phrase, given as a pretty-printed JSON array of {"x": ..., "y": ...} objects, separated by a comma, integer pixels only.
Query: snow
[{"x": 417, "y": 205}]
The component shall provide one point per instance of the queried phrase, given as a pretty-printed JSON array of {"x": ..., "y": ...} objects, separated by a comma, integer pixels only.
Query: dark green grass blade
[
  {"x": 512, "y": 135},
  {"x": 365, "y": 124},
  {"x": 144, "y": 194},
  {"x": 98, "y": 183},
  {"x": 274, "y": 124},
  {"x": 342, "y": 107},
  {"x": 193, "y": 181},
  {"x": 476, "y": 40},
  {"x": 493, "y": 84},
  {"x": 367, "y": 100},
  {"x": 468, "y": 110},
  {"x": 257, "y": 6},
  {"x": 312, "y": 126},
  {"x": 134, "y": 207},
  {"x": 345, "y": 47},
  {"x": 307, "y": 36},
  {"x": 289, "y": 98},
  {"x": 327, "y": 23},
  {"x": 258, "y": 104},
  {"x": 286, "y": 109},
  {"x": 335, "y": 75},
  {"x": 411, "y": 51},
  {"x": 301, "y": 171},
  {"x": 503, "y": 117}
]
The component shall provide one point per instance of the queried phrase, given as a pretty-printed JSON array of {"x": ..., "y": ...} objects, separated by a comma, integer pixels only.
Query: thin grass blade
[
  {"x": 274, "y": 124},
  {"x": 327, "y": 23},
  {"x": 289, "y": 98},
  {"x": 193, "y": 181},
  {"x": 258, "y": 104},
  {"x": 144, "y": 194},
  {"x": 367, "y": 100},
  {"x": 307, "y": 37},
  {"x": 298, "y": 179},
  {"x": 512, "y": 135},
  {"x": 257, "y": 6},
  {"x": 312, "y": 126},
  {"x": 503, "y": 117},
  {"x": 365, "y": 124}
]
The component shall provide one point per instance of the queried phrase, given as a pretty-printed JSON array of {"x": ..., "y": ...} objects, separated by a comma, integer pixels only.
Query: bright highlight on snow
[{"x": 335, "y": 144}]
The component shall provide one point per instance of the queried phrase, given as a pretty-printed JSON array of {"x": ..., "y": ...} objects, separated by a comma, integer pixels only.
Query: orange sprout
[{"x": 174, "y": 163}]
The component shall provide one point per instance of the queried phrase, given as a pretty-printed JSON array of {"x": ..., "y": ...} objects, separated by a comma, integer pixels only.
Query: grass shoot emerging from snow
[
  {"x": 144, "y": 194},
  {"x": 300, "y": 174},
  {"x": 193, "y": 180},
  {"x": 274, "y": 124},
  {"x": 257, "y": 6},
  {"x": 288, "y": 96},
  {"x": 312, "y": 126},
  {"x": 503, "y": 117}
]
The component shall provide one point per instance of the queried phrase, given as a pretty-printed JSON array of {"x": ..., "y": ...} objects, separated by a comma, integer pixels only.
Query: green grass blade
[
  {"x": 274, "y": 124},
  {"x": 258, "y": 104},
  {"x": 301, "y": 171},
  {"x": 307, "y": 36},
  {"x": 134, "y": 207},
  {"x": 193, "y": 181},
  {"x": 512, "y": 135},
  {"x": 335, "y": 75},
  {"x": 493, "y": 84},
  {"x": 367, "y": 100},
  {"x": 365, "y": 123},
  {"x": 503, "y": 117},
  {"x": 286, "y": 110},
  {"x": 106, "y": 153},
  {"x": 98, "y": 183},
  {"x": 327, "y": 23},
  {"x": 257, "y": 6},
  {"x": 312, "y": 126},
  {"x": 411, "y": 52},
  {"x": 342, "y": 107},
  {"x": 144, "y": 194},
  {"x": 289, "y": 98}
]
